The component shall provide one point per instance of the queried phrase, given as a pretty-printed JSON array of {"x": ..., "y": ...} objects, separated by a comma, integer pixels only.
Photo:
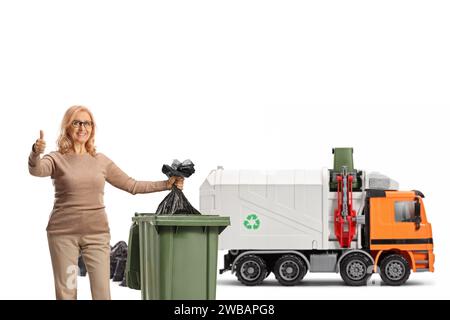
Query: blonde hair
[{"x": 64, "y": 142}]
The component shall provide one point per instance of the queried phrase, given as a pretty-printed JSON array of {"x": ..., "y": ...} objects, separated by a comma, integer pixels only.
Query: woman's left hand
[{"x": 177, "y": 181}]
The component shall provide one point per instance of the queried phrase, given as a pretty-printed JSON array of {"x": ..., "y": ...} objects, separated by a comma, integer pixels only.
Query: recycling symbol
[{"x": 252, "y": 222}]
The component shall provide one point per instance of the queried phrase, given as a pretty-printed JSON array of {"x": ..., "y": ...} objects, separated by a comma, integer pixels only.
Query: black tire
[
  {"x": 251, "y": 270},
  {"x": 395, "y": 270},
  {"x": 289, "y": 270},
  {"x": 354, "y": 269}
]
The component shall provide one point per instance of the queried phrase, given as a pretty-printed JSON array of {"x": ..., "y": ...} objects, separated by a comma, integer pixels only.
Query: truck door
[{"x": 399, "y": 221}]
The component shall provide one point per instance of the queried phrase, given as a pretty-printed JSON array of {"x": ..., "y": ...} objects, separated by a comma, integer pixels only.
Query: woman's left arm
[{"x": 119, "y": 179}]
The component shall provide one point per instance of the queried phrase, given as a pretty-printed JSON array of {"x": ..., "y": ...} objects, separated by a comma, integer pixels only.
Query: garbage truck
[{"x": 340, "y": 220}]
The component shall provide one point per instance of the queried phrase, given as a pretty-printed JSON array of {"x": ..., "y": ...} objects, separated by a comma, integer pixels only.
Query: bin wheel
[
  {"x": 354, "y": 269},
  {"x": 289, "y": 270},
  {"x": 251, "y": 270},
  {"x": 394, "y": 270}
]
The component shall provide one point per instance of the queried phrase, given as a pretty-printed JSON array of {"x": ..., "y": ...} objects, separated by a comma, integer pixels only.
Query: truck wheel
[
  {"x": 354, "y": 269},
  {"x": 394, "y": 270},
  {"x": 289, "y": 270},
  {"x": 251, "y": 270}
]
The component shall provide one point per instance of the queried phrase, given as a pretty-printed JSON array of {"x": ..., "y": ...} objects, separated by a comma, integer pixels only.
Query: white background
[{"x": 242, "y": 84}]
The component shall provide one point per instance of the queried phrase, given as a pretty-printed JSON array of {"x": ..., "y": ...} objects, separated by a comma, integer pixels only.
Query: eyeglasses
[{"x": 85, "y": 124}]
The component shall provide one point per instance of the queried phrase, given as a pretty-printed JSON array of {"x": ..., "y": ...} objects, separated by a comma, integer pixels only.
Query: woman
[{"x": 78, "y": 222}]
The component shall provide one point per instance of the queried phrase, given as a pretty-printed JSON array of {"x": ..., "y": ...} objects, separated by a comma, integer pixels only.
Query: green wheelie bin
[{"x": 177, "y": 257}]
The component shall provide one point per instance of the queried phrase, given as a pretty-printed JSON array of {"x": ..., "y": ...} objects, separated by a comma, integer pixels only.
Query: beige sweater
[{"x": 79, "y": 182}]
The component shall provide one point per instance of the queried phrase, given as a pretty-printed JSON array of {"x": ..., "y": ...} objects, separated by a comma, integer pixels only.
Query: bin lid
[{"x": 183, "y": 220}]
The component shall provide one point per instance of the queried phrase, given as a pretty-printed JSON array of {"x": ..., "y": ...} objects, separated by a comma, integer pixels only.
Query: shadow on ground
[{"x": 318, "y": 283}]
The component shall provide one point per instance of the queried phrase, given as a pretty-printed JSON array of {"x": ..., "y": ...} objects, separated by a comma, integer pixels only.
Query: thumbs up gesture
[{"x": 39, "y": 146}]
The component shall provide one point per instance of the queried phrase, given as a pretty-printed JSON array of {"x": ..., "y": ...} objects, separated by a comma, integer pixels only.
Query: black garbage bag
[
  {"x": 118, "y": 258},
  {"x": 179, "y": 169},
  {"x": 119, "y": 272},
  {"x": 175, "y": 202}
]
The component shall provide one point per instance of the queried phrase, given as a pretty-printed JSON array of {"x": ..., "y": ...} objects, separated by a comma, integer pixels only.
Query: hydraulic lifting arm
[{"x": 344, "y": 215}]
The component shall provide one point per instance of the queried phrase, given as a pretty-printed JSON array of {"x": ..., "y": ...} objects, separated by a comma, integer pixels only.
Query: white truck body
[{"x": 295, "y": 209}]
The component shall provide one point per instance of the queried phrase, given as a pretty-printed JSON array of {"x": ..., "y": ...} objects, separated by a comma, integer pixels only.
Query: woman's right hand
[{"x": 39, "y": 146}]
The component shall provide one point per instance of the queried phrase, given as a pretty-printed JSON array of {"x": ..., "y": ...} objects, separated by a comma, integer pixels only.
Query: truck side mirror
[{"x": 417, "y": 218}]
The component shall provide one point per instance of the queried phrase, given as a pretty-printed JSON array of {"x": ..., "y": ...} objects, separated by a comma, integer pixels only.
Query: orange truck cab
[{"x": 398, "y": 234}]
